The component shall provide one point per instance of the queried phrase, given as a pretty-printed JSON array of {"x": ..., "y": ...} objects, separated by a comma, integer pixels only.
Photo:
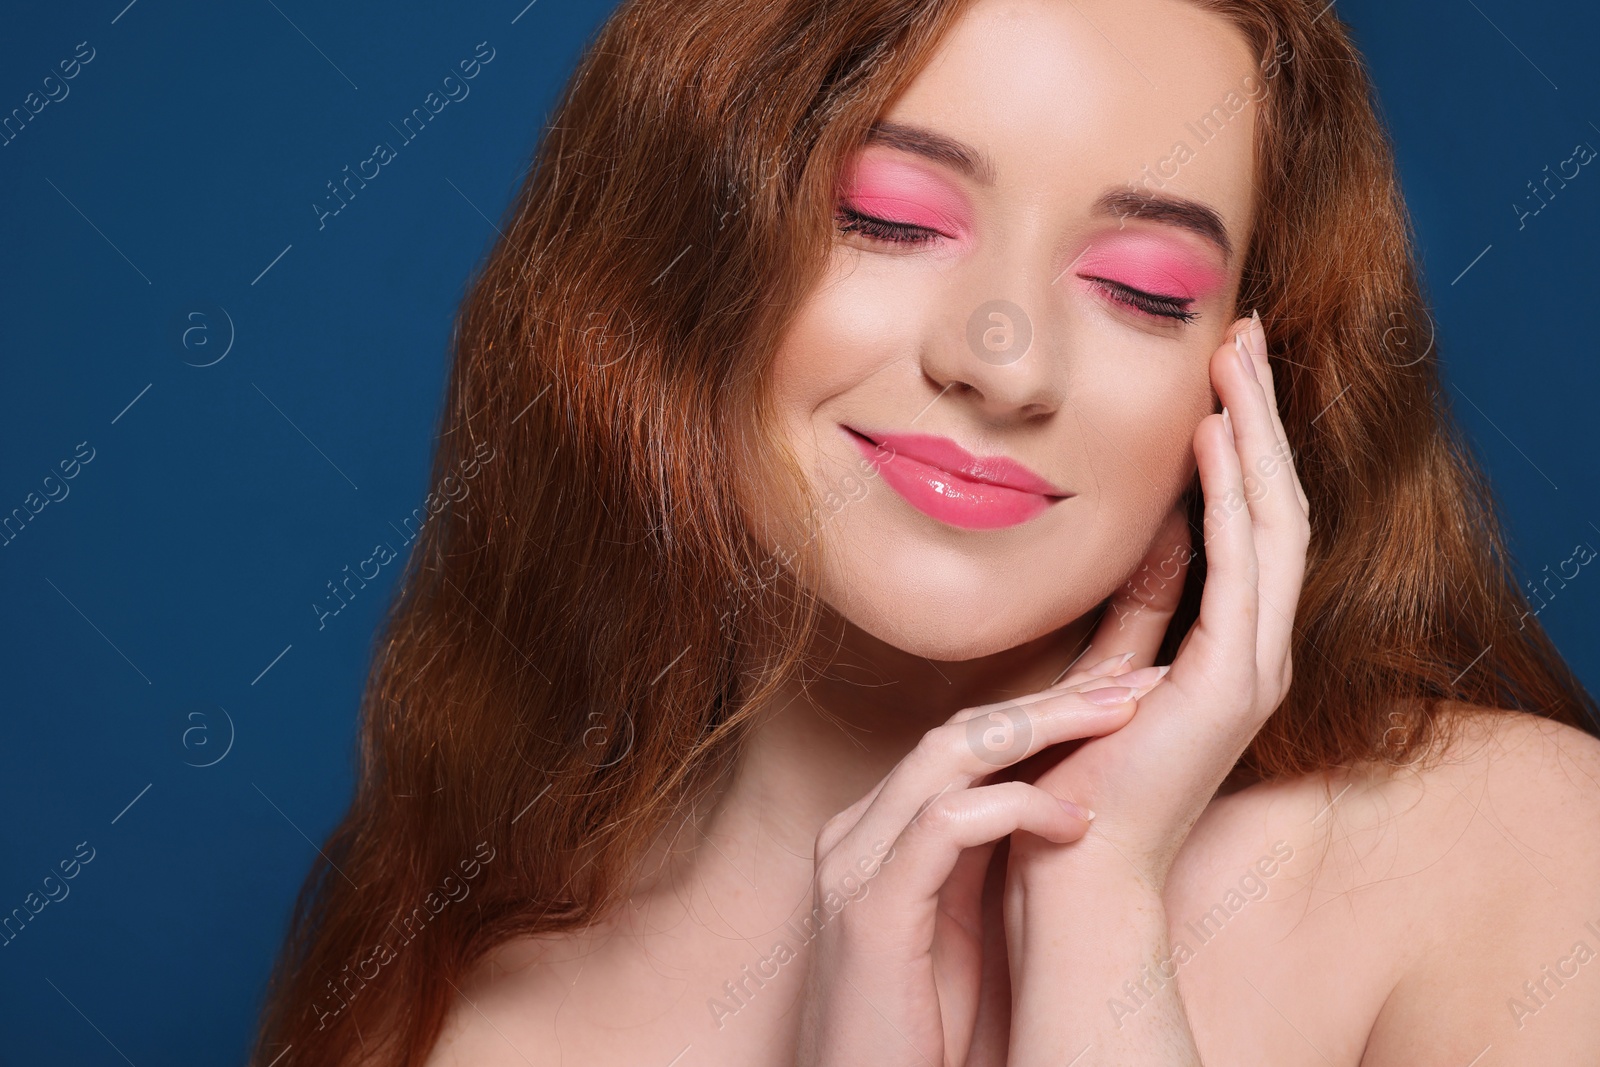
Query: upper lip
[{"x": 944, "y": 453}]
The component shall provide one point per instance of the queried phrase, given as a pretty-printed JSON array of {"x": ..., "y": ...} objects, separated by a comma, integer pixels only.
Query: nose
[{"x": 995, "y": 348}]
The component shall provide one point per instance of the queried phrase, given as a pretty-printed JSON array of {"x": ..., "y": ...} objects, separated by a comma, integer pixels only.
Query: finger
[
  {"x": 1146, "y": 679},
  {"x": 1226, "y": 630},
  {"x": 1277, "y": 517},
  {"x": 1268, "y": 480},
  {"x": 1139, "y": 680},
  {"x": 1256, "y": 346},
  {"x": 963, "y": 899},
  {"x": 1133, "y": 678},
  {"x": 962, "y": 892},
  {"x": 927, "y": 848},
  {"x": 991, "y": 1025},
  {"x": 1142, "y": 608},
  {"x": 1111, "y": 665},
  {"x": 1139, "y": 612},
  {"x": 997, "y": 732},
  {"x": 951, "y": 757}
]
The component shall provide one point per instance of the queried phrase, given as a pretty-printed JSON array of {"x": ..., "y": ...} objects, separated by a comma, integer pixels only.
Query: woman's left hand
[
  {"x": 1082, "y": 917},
  {"x": 1150, "y": 781}
]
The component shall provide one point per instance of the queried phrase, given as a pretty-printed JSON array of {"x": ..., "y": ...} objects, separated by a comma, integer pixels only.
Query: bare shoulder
[
  {"x": 1507, "y": 918},
  {"x": 1490, "y": 769},
  {"x": 505, "y": 1013},
  {"x": 625, "y": 991},
  {"x": 1402, "y": 915},
  {"x": 629, "y": 988},
  {"x": 1497, "y": 784},
  {"x": 1511, "y": 798}
]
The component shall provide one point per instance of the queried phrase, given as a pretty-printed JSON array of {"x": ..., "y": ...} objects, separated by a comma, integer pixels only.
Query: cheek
[
  {"x": 840, "y": 339},
  {"x": 1140, "y": 428},
  {"x": 851, "y": 328}
]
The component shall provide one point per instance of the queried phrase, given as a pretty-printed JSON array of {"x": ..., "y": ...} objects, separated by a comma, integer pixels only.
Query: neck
[
  {"x": 825, "y": 740},
  {"x": 817, "y": 746}
]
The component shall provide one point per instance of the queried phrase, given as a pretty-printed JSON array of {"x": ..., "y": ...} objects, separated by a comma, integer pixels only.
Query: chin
[
  {"x": 947, "y": 640},
  {"x": 951, "y": 613}
]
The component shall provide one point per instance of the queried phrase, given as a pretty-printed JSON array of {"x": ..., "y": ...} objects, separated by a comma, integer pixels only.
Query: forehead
[{"x": 1065, "y": 99}]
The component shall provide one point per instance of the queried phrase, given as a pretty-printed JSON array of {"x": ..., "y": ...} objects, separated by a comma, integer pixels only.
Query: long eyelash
[
  {"x": 853, "y": 221},
  {"x": 1167, "y": 307}
]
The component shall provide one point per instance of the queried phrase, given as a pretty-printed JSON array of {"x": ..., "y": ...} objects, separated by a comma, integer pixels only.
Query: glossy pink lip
[{"x": 943, "y": 480}]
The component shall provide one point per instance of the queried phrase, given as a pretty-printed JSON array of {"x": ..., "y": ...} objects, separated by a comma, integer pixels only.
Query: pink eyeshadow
[
  {"x": 1151, "y": 263},
  {"x": 901, "y": 192}
]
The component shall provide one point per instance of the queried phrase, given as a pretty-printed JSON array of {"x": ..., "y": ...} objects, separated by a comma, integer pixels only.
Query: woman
[{"x": 853, "y": 373}]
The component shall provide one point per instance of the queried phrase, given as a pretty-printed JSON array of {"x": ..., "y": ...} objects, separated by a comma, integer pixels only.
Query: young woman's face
[{"x": 1039, "y": 251}]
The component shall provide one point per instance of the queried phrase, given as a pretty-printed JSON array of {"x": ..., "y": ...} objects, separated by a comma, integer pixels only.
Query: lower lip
[{"x": 950, "y": 498}]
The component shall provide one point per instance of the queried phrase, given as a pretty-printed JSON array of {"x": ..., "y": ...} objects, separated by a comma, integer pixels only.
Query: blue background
[{"x": 161, "y": 608}]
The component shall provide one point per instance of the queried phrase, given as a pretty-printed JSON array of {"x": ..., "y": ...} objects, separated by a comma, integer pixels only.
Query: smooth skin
[
  {"x": 1360, "y": 917},
  {"x": 912, "y": 943}
]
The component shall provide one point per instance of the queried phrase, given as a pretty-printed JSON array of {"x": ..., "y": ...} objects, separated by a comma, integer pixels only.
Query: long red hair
[{"x": 576, "y": 646}]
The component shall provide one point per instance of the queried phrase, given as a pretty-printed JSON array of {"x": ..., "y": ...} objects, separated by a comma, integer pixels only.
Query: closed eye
[
  {"x": 1166, "y": 307},
  {"x": 852, "y": 221},
  {"x": 1156, "y": 305}
]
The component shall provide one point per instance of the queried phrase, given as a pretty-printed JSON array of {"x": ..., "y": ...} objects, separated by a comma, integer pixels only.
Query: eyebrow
[
  {"x": 935, "y": 146},
  {"x": 1186, "y": 214}
]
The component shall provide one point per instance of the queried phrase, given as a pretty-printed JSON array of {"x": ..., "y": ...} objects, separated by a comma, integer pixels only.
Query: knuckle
[
  {"x": 827, "y": 876},
  {"x": 828, "y": 837},
  {"x": 939, "y": 815},
  {"x": 1020, "y": 795},
  {"x": 959, "y": 716},
  {"x": 933, "y": 747}
]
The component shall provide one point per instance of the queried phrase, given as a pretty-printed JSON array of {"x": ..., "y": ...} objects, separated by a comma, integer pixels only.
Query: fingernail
[
  {"x": 1117, "y": 661},
  {"x": 1244, "y": 357},
  {"x": 1227, "y": 421},
  {"x": 1111, "y": 694},
  {"x": 1142, "y": 677},
  {"x": 1107, "y": 665},
  {"x": 1072, "y": 809},
  {"x": 1258, "y": 335},
  {"x": 1104, "y": 669},
  {"x": 1144, "y": 690}
]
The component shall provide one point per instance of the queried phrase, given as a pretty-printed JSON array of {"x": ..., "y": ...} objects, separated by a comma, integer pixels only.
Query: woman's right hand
[{"x": 899, "y": 877}]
